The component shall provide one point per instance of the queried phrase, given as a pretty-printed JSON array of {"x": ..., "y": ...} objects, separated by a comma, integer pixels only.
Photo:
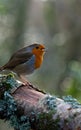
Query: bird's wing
[{"x": 17, "y": 58}]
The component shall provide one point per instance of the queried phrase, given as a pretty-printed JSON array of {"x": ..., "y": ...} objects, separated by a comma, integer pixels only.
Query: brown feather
[{"x": 17, "y": 59}]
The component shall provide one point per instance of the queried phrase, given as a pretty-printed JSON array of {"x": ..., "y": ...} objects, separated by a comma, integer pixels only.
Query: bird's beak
[{"x": 44, "y": 49}]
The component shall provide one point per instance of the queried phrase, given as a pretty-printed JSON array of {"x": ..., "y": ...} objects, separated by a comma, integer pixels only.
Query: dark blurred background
[{"x": 55, "y": 23}]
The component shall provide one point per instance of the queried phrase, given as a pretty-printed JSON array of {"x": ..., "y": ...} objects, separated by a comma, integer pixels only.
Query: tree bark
[{"x": 29, "y": 108}]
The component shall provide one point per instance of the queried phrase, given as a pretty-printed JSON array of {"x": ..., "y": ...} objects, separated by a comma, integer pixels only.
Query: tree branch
[{"x": 29, "y": 108}]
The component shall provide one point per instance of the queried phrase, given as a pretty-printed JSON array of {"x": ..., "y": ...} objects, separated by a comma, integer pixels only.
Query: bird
[{"x": 25, "y": 61}]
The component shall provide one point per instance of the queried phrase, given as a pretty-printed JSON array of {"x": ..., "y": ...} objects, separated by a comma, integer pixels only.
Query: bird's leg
[{"x": 24, "y": 80}]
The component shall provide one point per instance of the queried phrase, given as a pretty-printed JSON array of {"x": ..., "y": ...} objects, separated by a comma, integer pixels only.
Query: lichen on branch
[{"x": 29, "y": 108}]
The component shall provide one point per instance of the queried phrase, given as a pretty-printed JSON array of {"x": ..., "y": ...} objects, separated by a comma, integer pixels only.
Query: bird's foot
[{"x": 24, "y": 81}]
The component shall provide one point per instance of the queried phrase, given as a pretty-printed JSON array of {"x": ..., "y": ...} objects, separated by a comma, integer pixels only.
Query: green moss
[
  {"x": 7, "y": 83},
  {"x": 72, "y": 101},
  {"x": 10, "y": 81},
  {"x": 46, "y": 121},
  {"x": 49, "y": 102},
  {"x": 21, "y": 123}
]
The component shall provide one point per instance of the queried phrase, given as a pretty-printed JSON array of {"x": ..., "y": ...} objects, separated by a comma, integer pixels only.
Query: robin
[{"x": 25, "y": 61}]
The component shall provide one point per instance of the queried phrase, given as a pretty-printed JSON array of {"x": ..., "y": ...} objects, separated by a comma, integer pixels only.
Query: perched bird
[{"x": 25, "y": 61}]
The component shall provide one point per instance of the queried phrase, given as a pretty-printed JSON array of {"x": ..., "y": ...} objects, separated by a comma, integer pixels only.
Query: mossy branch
[{"x": 28, "y": 108}]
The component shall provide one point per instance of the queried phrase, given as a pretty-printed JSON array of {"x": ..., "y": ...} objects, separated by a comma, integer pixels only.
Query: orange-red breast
[{"x": 26, "y": 60}]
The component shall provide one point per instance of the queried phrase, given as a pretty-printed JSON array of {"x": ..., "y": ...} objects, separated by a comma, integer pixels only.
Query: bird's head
[{"x": 38, "y": 49}]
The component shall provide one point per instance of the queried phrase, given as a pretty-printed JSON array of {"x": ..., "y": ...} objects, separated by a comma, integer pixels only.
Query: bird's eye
[{"x": 37, "y": 47}]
